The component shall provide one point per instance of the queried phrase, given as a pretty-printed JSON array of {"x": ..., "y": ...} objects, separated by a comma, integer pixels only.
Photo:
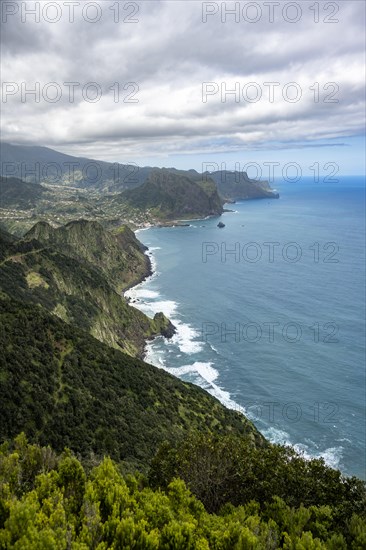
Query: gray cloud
[{"x": 169, "y": 53}]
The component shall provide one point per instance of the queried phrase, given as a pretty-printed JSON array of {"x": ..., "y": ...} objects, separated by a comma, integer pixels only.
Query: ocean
[{"x": 270, "y": 313}]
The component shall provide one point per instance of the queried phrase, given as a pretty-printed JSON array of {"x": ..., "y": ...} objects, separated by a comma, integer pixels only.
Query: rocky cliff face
[
  {"x": 238, "y": 186},
  {"x": 55, "y": 268},
  {"x": 171, "y": 195},
  {"x": 119, "y": 256}
]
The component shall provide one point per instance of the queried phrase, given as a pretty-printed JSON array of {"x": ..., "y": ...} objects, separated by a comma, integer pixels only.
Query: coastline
[
  {"x": 149, "y": 268},
  {"x": 148, "y": 272},
  {"x": 215, "y": 391},
  {"x": 151, "y": 273},
  {"x": 223, "y": 396},
  {"x": 194, "y": 368}
]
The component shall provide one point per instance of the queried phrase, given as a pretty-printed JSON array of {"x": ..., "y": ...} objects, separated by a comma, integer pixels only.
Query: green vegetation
[
  {"x": 208, "y": 480},
  {"x": 119, "y": 257},
  {"x": 77, "y": 273},
  {"x": 122, "y": 454},
  {"x": 50, "y": 502},
  {"x": 169, "y": 195},
  {"x": 15, "y": 192},
  {"x": 50, "y": 167},
  {"x": 221, "y": 469},
  {"x": 114, "y": 177},
  {"x": 63, "y": 387}
]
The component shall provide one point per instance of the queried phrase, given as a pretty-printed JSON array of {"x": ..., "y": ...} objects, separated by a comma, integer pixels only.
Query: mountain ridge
[
  {"x": 113, "y": 177},
  {"x": 238, "y": 186},
  {"x": 70, "y": 287},
  {"x": 168, "y": 196},
  {"x": 120, "y": 256}
]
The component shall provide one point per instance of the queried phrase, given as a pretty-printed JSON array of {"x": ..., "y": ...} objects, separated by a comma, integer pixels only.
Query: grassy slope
[
  {"x": 119, "y": 257},
  {"x": 76, "y": 291}
]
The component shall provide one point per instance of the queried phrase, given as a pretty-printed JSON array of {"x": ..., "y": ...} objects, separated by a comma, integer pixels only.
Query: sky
[{"x": 269, "y": 87}]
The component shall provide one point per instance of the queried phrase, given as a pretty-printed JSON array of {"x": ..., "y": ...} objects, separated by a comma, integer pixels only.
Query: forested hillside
[
  {"x": 17, "y": 193},
  {"x": 65, "y": 388}
]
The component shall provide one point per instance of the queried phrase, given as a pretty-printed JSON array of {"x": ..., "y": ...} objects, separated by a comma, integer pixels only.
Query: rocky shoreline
[
  {"x": 148, "y": 272},
  {"x": 164, "y": 326}
]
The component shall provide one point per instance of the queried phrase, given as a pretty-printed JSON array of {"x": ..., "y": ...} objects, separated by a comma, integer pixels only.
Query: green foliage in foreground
[
  {"x": 49, "y": 502},
  {"x": 221, "y": 469}
]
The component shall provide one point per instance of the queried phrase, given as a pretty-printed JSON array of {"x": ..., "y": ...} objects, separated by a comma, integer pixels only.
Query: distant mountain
[
  {"x": 170, "y": 195},
  {"x": 58, "y": 273},
  {"x": 238, "y": 186},
  {"x": 43, "y": 165},
  {"x": 15, "y": 193},
  {"x": 64, "y": 388}
]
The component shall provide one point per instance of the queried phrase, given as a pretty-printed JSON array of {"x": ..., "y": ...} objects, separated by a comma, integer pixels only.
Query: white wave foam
[
  {"x": 344, "y": 439},
  {"x": 185, "y": 338},
  {"x": 154, "y": 356},
  {"x": 205, "y": 375},
  {"x": 144, "y": 299},
  {"x": 275, "y": 435},
  {"x": 332, "y": 456},
  {"x": 139, "y": 291},
  {"x": 204, "y": 370},
  {"x": 213, "y": 348},
  {"x": 168, "y": 307},
  {"x": 154, "y": 266},
  {"x": 146, "y": 293},
  {"x": 142, "y": 229}
]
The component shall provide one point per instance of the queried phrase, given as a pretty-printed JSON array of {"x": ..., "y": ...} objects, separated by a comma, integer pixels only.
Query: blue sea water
[{"x": 270, "y": 312}]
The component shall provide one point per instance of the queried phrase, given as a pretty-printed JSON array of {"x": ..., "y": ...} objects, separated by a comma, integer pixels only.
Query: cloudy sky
[{"x": 150, "y": 81}]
